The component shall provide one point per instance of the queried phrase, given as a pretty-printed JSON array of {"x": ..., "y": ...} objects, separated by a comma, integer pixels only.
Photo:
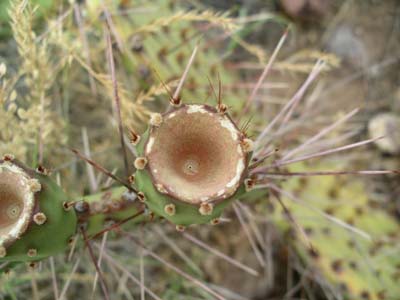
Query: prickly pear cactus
[
  {"x": 359, "y": 253},
  {"x": 193, "y": 162},
  {"x": 35, "y": 220}
]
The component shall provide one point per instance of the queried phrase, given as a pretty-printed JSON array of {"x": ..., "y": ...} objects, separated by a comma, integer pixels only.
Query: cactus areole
[{"x": 195, "y": 158}]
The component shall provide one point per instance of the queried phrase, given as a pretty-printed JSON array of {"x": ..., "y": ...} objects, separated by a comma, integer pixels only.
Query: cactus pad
[
  {"x": 34, "y": 221},
  {"x": 359, "y": 259}
]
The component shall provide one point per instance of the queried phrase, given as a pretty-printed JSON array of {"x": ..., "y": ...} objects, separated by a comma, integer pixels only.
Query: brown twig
[
  {"x": 93, "y": 258},
  {"x": 104, "y": 170},
  {"x": 116, "y": 98}
]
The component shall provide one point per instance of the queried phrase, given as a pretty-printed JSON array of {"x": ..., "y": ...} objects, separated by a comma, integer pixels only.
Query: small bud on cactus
[
  {"x": 206, "y": 209},
  {"x": 39, "y": 218},
  {"x": 215, "y": 221},
  {"x": 180, "y": 228},
  {"x": 156, "y": 119},
  {"x": 131, "y": 179},
  {"x": 8, "y": 157},
  {"x": 141, "y": 197},
  {"x": 140, "y": 163},
  {"x": 248, "y": 145},
  {"x": 175, "y": 101},
  {"x": 170, "y": 209},
  {"x": 197, "y": 160},
  {"x": 32, "y": 253},
  {"x": 222, "y": 108},
  {"x": 135, "y": 138},
  {"x": 249, "y": 184},
  {"x": 33, "y": 223}
]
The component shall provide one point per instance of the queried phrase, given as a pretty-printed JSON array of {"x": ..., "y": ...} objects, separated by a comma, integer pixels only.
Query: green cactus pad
[{"x": 50, "y": 225}]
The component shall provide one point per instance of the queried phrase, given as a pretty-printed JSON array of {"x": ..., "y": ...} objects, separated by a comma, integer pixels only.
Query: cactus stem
[
  {"x": 39, "y": 218},
  {"x": 206, "y": 209},
  {"x": 170, "y": 209},
  {"x": 156, "y": 119},
  {"x": 140, "y": 163}
]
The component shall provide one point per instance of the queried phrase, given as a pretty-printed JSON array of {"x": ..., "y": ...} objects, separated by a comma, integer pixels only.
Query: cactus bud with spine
[
  {"x": 196, "y": 162},
  {"x": 33, "y": 222}
]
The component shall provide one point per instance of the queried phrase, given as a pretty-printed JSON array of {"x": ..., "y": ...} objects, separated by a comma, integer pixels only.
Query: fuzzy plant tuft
[{"x": 35, "y": 223}]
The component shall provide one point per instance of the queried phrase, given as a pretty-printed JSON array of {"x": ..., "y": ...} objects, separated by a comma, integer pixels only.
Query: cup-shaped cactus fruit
[
  {"x": 193, "y": 161},
  {"x": 34, "y": 222}
]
